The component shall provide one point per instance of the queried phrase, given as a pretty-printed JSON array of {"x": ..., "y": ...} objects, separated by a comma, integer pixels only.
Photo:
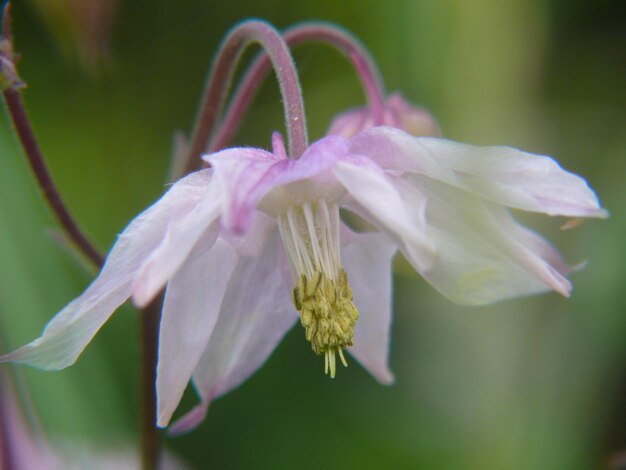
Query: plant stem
[
  {"x": 326, "y": 33},
  {"x": 150, "y": 316},
  {"x": 226, "y": 59},
  {"x": 19, "y": 117},
  {"x": 17, "y": 111},
  {"x": 150, "y": 436},
  {"x": 7, "y": 460}
]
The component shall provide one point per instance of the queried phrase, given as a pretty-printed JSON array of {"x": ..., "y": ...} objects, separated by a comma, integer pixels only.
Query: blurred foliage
[{"x": 533, "y": 383}]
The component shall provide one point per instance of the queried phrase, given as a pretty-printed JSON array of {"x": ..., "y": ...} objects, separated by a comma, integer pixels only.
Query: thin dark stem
[
  {"x": 17, "y": 111},
  {"x": 309, "y": 32},
  {"x": 11, "y": 85},
  {"x": 150, "y": 435},
  {"x": 7, "y": 460},
  {"x": 150, "y": 316},
  {"x": 227, "y": 57}
]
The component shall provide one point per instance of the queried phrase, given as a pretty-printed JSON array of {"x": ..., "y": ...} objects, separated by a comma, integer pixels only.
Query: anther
[{"x": 328, "y": 316}]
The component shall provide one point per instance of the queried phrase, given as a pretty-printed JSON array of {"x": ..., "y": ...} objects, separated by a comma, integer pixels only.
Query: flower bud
[{"x": 397, "y": 113}]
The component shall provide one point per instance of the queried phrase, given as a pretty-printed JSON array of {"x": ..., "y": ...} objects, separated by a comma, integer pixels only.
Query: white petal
[
  {"x": 183, "y": 232},
  {"x": 518, "y": 179},
  {"x": 67, "y": 334},
  {"x": 483, "y": 255},
  {"x": 367, "y": 259},
  {"x": 255, "y": 314},
  {"x": 190, "y": 309},
  {"x": 376, "y": 195},
  {"x": 504, "y": 175}
]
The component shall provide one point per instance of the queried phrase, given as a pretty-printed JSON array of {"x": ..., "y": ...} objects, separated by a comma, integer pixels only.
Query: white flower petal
[
  {"x": 483, "y": 255},
  {"x": 67, "y": 334},
  {"x": 376, "y": 195},
  {"x": 518, "y": 179},
  {"x": 367, "y": 260},
  {"x": 255, "y": 314},
  {"x": 190, "y": 310},
  {"x": 504, "y": 175},
  {"x": 183, "y": 232}
]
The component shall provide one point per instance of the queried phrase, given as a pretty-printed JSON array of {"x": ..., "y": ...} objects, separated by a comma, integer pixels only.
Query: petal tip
[
  {"x": 189, "y": 421},
  {"x": 145, "y": 287},
  {"x": 140, "y": 296},
  {"x": 387, "y": 378},
  {"x": 560, "y": 284}
]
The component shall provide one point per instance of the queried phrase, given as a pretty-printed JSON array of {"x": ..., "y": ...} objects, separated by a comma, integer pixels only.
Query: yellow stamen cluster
[{"x": 328, "y": 315}]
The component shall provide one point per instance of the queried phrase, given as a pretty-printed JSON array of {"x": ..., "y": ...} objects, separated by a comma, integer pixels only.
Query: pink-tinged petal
[
  {"x": 501, "y": 174},
  {"x": 380, "y": 203},
  {"x": 190, "y": 310},
  {"x": 367, "y": 257},
  {"x": 183, "y": 232},
  {"x": 255, "y": 314},
  {"x": 243, "y": 176},
  {"x": 191, "y": 420},
  {"x": 396, "y": 152},
  {"x": 67, "y": 334},
  {"x": 483, "y": 255},
  {"x": 247, "y": 176}
]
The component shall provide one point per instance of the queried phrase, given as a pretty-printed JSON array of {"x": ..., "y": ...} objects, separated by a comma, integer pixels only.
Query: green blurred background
[{"x": 537, "y": 383}]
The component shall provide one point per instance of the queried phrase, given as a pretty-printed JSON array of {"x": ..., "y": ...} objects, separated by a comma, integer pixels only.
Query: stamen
[
  {"x": 322, "y": 293},
  {"x": 327, "y": 314},
  {"x": 292, "y": 226},
  {"x": 343, "y": 359}
]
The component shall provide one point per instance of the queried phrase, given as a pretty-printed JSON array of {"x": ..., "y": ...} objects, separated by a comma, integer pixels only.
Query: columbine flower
[
  {"x": 397, "y": 113},
  {"x": 245, "y": 245}
]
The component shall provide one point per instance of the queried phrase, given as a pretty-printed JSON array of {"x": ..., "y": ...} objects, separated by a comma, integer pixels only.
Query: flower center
[{"x": 322, "y": 295}]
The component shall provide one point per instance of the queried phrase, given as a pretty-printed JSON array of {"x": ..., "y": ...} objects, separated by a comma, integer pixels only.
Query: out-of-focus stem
[
  {"x": 150, "y": 436},
  {"x": 222, "y": 70},
  {"x": 7, "y": 460},
  {"x": 308, "y": 32}
]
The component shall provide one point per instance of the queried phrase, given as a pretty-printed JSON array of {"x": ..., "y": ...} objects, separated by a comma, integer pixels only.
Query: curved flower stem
[
  {"x": 227, "y": 57},
  {"x": 332, "y": 35}
]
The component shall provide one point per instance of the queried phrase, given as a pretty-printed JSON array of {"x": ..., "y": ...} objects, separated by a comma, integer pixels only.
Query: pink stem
[
  {"x": 315, "y": 31},
  {"x": 227, "y": 57}
]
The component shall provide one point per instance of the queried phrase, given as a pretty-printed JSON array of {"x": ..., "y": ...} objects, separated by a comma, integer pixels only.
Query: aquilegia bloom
[{"x": 245, "y": 245}]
